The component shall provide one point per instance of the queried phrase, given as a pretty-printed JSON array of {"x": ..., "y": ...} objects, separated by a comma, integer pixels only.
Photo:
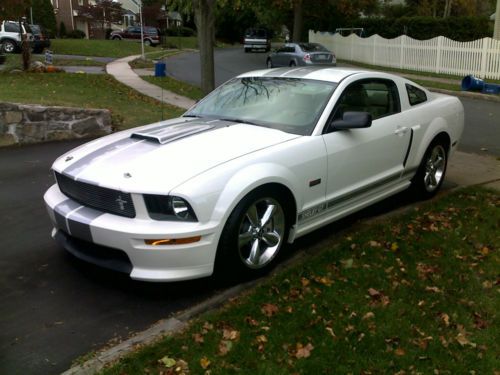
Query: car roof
[{"x": 330, "y": 74}]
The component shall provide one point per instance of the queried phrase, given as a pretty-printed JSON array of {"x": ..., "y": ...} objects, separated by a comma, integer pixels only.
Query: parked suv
[
  {"x": 10, "y": 36},
  {"x": 256, "y": 38},
  {"x": 133, "y": 33},
  {"x": 41, "y": 39}
]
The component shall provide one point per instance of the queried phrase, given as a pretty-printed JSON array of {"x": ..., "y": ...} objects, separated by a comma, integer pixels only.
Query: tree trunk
[
  {"x": 298, "y": 18},
  {"x": 205, "y": 19}
]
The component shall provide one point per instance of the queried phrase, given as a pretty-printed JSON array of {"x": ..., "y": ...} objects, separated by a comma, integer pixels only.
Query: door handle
[{"x": 401, "y": 130}]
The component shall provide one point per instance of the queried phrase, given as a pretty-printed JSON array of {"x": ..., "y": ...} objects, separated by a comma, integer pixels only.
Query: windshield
[
  {"x": 312, "y": 47},
  {"x": 288, "y": 104}
]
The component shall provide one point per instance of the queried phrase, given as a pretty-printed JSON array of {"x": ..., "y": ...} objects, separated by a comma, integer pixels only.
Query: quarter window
[{"x": 415, "y": 95}]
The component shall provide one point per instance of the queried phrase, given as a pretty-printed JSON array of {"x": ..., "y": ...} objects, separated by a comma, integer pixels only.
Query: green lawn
[
  {"x": 128, "y": 107},
  {"x": 415, "y": 294},
  {"x": 176, "y": 86},
  {"x": 98, "y": 48}
]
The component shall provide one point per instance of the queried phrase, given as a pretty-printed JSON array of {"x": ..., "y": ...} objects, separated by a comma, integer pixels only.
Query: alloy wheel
[{"x": 261, "y": 233}]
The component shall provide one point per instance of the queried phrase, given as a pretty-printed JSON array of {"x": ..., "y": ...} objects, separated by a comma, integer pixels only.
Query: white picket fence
[{"x": 438, "y": 55}]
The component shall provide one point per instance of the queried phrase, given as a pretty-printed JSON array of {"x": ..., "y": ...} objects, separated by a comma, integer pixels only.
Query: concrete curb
[{"x": 467, "y": 94}]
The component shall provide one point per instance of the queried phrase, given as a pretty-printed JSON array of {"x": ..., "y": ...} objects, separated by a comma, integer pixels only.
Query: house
[{"x": 72, "y": 14}]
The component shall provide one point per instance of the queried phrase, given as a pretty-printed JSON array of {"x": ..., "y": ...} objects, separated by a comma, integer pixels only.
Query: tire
[
  {"x": 292, "y": 63},
  {"x": 116, "y": 38},
  {"x": 430, "y": 174},
  {"x": 269, "y": 63},
  {"x": 9, "y": 46},
  {"x": 147, "y": 42},
  {"x": 247, "y": 50},
  {"x": 253, "y": 236}
]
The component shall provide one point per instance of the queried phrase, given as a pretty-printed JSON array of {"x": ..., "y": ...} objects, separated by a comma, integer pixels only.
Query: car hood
[{"x": 158, "y": 157}]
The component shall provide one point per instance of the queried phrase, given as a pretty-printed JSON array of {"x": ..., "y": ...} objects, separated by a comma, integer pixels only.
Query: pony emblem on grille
[{"x": 121, "y": 202}]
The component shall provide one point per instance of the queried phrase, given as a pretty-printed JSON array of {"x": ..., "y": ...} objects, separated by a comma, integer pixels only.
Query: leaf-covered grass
[
  {"x": 415, "y": 294},
  {"x": 179, "y": 87},
  {"x": 14, "y": 61},
  {"x": 98, "y": 48},
  {"x": 128, "y": 107}
]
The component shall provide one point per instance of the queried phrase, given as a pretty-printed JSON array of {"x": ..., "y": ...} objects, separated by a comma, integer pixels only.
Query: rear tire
[
  {"x": 430, "y": 174},
  {"x": 292, "y": 64},
  {"x": 116, "y": 38},
  {"x": 253, "y": 236},
  {"x": 269, "y": 63},
  {"x": 247, "y": 50}
]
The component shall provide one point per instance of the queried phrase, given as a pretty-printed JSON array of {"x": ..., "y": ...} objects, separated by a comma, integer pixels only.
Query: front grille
[{"x": 100, "y": 198}]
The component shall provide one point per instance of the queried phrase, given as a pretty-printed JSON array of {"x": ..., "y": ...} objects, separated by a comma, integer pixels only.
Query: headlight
[{"x": 165, "y": 207}]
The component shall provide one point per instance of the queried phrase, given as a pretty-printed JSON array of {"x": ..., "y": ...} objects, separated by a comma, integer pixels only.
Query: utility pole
[
  {"x": 496, "y": 30},
  {"x": 139, "y": 5}
]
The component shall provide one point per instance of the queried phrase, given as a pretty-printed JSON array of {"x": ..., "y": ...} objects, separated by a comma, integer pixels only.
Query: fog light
[{"x": 172, "y": 241}]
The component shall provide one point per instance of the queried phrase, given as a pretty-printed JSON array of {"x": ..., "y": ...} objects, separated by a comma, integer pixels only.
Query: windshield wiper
[
  {"x": 191, "y": 116},
  {"x": 234, "y": 119}
]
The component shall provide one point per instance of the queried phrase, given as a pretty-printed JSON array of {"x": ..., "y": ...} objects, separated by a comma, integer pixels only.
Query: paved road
[
  {"x": 54, "y": 308},
  {"x": 482, "y": 118}
]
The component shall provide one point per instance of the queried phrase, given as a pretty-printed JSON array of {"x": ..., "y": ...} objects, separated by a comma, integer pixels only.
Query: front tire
[
  {"x": 253, "y": 236},
  {"x": 292, "y": 64},
  {"x": 9, "y": 46},
  {"x": 270, "y": 64},
  {"x": 430, "y": 175}
]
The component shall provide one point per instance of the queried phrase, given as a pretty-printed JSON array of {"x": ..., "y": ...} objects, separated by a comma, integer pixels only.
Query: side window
[
  {"x": 415, "y": 95},
  {"x": 11, "y": 27},
  {"x": 379, "y": 97},
  {"x": 281, "y": 50}
]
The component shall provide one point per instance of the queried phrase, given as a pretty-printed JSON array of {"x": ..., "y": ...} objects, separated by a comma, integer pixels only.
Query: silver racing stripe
[
  {"x": 79, "y": 222},
  {"x": 75, "y": 219}
]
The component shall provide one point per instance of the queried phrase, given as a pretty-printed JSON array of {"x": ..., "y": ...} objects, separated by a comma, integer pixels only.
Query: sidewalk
[{"x": 121, "y": 70}]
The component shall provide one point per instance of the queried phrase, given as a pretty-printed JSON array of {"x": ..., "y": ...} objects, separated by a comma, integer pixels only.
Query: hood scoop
[{"x": 171, "y": 133}]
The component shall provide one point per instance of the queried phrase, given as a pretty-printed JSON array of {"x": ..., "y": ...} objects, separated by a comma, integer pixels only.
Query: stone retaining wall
[{"x": 25, "y": 123}]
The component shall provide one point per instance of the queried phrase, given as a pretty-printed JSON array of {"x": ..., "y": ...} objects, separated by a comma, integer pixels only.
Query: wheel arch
[{"x": 438, "y": 129}]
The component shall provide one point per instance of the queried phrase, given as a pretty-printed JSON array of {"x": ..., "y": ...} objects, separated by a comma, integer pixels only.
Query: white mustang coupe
[{"x": 264, "y": 159}]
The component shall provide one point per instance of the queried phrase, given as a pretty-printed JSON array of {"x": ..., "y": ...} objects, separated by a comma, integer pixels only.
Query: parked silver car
[{"x": 301, "y": 54}]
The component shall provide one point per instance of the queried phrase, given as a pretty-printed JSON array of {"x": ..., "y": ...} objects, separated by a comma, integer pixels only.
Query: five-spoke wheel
[
  {"x": 253, "y": 235},
  {"x": 430, "y": 174}
]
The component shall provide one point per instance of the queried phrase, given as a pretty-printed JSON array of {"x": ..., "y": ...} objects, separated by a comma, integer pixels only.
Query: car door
[
  {"x": 278, "y": 58},
  {"x": 361, "y": 161}
]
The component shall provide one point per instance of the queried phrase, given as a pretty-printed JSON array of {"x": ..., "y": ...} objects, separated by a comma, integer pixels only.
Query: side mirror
[{"x": 352, "y": 120}]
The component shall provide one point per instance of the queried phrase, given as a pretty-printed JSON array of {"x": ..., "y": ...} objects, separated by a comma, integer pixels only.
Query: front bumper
[{"x": 117, "y": 242}]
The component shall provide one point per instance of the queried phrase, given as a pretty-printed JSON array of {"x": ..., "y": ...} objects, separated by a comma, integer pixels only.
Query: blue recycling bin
[
  {"x": 160, "y": 69},
  {"x": 471, "y": 83},
  {"x": 491, "y": 88}
]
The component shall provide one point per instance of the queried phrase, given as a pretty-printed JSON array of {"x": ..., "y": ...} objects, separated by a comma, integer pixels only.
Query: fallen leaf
[
  {"x": 204, "y": 363},
  {"x": 368, "y": 315},
  {"x": 303, "y": 351},
  {"x": 375, "y": 244},
  {"x": 330, "y": 331},
  {"x": 323, "y": 280},
  {"x": 399, "y": 352},
  {"x": 228, "y": 334},
  {"x": 251, "y": 321},
  {"x": 198, "y": 338},
  {"x": 433, "y": 289},
  {"x": 261, "y": 339},
  {"x": 168, "y": 362},
  {"x": 446, "y": 319},
  {"x": 347, "y": 263},
  {"x": 373, "y": 292},
  {"x": 487, "y": 284},
  {"x": 225, "y": 347},
  {"x": 394, "y": 246},
  {"x": 268, "y": 309},
  {"x": 462, "y": 340},
  {"x": 305, "y": 282}
]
